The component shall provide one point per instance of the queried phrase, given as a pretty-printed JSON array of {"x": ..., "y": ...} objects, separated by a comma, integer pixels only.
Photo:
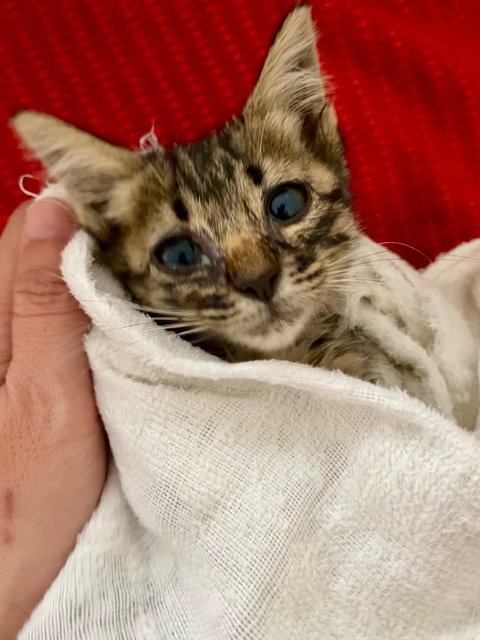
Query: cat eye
[
  {"x": 287, "y": 202},
  {"x": 180, "y": 253}
]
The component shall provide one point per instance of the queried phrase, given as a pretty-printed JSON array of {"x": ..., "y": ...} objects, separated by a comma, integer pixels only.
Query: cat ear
[
  {"x": 291, "y": 82},
  {"x": 90, "y": 170},
  {"x": 291, "y": 78}
]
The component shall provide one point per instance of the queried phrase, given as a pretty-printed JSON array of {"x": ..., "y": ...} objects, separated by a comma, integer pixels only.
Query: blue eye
[
  {"x": 179, "y": 254},
  {"x": 287, "y": 202}
]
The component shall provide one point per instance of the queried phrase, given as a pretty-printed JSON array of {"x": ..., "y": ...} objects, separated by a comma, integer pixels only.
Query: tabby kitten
[{"x": 245, "y": 236}]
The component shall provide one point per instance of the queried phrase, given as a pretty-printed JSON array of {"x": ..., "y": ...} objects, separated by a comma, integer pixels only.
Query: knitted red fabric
[{"x": 405, "y": 75}]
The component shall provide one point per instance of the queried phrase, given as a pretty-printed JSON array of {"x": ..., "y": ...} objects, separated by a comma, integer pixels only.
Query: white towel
[{"x": 268, "y": 500}]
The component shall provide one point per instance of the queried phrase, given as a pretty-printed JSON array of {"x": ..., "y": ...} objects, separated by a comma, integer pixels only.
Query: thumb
[{"x": 47, "y": 324}]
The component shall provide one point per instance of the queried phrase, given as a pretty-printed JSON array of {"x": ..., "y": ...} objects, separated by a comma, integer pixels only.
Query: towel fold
[{"x": 270, "y": 500}]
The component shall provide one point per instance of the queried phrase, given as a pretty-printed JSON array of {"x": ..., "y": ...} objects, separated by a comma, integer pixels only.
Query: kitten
[{"x": 248, "y": 236}]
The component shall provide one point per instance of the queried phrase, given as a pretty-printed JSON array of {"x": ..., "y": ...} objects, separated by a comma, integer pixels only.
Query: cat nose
[
  {"x": 263, "y": 286},
  {"x": 253, "y": 267}
]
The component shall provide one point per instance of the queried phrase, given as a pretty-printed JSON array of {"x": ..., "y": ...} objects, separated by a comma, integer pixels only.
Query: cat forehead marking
[{"x": 209, "y": 168}]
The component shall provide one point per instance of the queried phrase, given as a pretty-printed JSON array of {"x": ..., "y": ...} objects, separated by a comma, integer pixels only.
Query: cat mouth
[
  {"x": 274, "y": 327},
  {"x": 272, "y": 314},
  {"x": 281, "y": 311}
]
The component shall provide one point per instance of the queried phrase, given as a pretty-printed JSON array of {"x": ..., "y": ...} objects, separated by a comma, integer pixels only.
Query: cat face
[{"x": 238, "y": 236}]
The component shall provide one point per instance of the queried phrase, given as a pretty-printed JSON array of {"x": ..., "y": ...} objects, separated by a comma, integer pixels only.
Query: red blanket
[{"x": 406, "y": 78}]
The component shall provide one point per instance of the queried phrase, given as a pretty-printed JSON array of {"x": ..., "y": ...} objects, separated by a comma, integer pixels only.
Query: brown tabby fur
[{"x": 215, "y": 190}]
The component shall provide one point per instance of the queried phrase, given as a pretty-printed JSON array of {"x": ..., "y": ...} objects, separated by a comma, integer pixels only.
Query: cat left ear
[
  {"x": 291, "y": 82},
  {"x": 89, "y": 169},
  {"x": 291, "y": 78}
]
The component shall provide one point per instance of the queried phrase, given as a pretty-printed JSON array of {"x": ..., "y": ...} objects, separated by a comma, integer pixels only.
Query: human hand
[{"x": 52, "y": 447}]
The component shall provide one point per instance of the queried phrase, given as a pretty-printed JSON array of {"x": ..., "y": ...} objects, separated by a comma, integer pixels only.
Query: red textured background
[{"x": 406, "y": 74}]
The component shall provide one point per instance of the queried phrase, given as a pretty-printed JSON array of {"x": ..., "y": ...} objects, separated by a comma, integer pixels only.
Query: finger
[
  {"x": 48, "y": 326},
  {"x": 9, "y": 243}
]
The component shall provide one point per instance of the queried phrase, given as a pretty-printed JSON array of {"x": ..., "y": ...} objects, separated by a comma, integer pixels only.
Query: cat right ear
[
  {"x": 89, "y": 169},
  {"x": 291, "y": 89},
  {"x": 291, "y": 79}
]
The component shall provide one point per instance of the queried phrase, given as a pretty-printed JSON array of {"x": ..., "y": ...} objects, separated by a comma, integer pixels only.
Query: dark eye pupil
[
  {"x": 178, "y": 253},
  {"x": 286, "y": 203}
]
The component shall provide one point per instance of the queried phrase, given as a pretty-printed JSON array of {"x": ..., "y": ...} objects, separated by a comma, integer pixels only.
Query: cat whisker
[
  {"x": 367, "y": 256},
  {"x": 164, "y": 310},
  {"x": 342, "y": 270},
  {"x": 179, "y": 325},
  {"x": 353, "y": 281},
  {"x": 391, "y": 259},
  {"x": 396, "y": 258},
  {"x": 193, "y": 330},
  {"x": 457, "y": 259},
  {"x": 408, "y": 246},
  {"x": 150, "y": 333},
  {"x": 343, "y": 288},
  {"x": 104, "y": 354},
  {"x": 199, "y": 340},
  {"x": 349, "y": 259}
]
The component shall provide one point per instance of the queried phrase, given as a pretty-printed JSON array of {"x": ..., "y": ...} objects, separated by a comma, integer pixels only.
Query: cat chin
[
  {"x": 271, "y": 343},
  {"x": 274, "y": 336}
]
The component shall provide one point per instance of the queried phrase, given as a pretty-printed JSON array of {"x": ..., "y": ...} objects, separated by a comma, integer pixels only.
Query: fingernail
[{"x": 48, "y": 219}]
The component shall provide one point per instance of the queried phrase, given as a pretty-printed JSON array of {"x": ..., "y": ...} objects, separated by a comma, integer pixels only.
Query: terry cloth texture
[
  {"x": 404, "y": 73},
  {"x": 265, "y": 500}
]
